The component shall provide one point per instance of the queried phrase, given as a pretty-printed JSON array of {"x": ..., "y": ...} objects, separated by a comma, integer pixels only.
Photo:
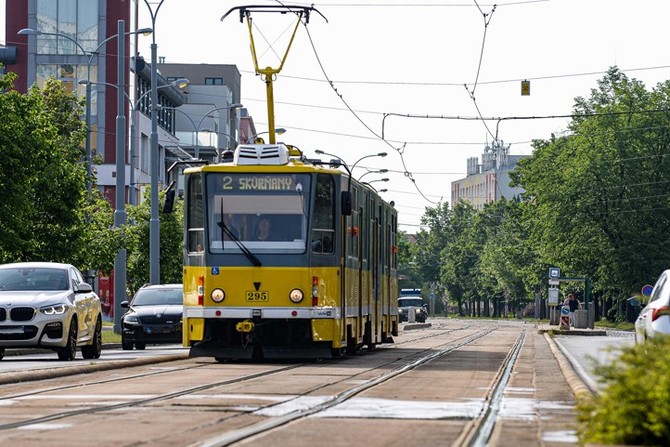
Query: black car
[
  {"x": 154, "y": 316},
  {"x": 407, "y": 304}
]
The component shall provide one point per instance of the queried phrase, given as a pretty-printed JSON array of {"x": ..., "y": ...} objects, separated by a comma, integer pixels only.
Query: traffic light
[{"x": 525, "y": 87}]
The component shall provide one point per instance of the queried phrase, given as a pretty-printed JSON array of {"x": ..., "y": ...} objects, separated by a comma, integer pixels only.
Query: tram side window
[
  {"x": 323, "y": 230},
  {"x": 195, "y": 216}
]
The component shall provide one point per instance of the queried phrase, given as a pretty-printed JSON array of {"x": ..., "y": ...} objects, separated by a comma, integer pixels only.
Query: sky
[{"x": 430, "y": 82}]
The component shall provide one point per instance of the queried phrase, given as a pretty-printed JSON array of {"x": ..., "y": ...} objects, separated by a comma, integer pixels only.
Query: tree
[
  {"x": 601, "y": 191},
  {"x": 41, "y": 158},
  {"x": 409, "y": 277},
  {"x": 137, "y": 235}
]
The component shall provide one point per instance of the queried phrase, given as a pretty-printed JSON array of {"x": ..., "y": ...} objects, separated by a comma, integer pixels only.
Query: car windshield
[
  {"x": 410, "y": 302},
  {"x": 42, "y": 279},
  {"x": 158, "y": 297}
]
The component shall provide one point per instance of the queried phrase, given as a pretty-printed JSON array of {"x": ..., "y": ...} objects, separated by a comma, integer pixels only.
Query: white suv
[{"x": 49, "y": 305}]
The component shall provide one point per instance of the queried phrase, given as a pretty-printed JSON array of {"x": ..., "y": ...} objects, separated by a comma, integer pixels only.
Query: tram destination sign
[{"x": 255, "y": 182}]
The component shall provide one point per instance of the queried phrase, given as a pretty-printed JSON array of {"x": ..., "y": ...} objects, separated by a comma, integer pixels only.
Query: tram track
[
  {"x": 478, "y": 432},
  {"x": 273, "y": 423},
  {"x": 462, "y": 341},
  {"x": 271, "y": 412},
  {"x": 141, "y": 401}
]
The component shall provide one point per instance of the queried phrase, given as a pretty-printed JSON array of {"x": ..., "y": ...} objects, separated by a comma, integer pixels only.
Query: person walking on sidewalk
[{"x": 571, "y": 303}]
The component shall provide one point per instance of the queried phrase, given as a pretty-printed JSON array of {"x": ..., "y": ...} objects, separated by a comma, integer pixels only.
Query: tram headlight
[
  {"x": 217, "y": 295},
  {"x": 296, "y": 295}
]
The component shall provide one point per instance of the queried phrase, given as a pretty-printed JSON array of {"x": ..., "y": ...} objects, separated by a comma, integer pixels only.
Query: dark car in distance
[{"x": 154, "y": 316}]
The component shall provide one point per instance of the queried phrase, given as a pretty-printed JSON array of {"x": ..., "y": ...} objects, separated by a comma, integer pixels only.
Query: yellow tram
[
  {"x": 285, "y": 257},
  {"x": 321, "y": 281}
]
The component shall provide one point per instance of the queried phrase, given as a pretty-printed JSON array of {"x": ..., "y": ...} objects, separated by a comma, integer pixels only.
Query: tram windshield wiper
[{"x": 225, "y": 230}]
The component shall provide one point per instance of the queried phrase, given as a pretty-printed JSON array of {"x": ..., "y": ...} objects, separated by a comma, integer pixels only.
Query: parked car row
[
  {"x": 50, "y": 305},
  {"x": 654, "y": 318},
  {"x": 153, "y": 316}
]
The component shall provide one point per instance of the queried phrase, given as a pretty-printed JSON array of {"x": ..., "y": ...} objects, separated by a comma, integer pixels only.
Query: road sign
[
  {"x": 554, "y": 282},
  {"x": 554, "y": 272},
  {"x": 646, "y": 290},
  {"x": 565, "y": 318}
]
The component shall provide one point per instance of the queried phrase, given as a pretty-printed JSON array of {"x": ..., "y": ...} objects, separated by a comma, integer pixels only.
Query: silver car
[
  {"x": 654, "y": 318},
  {"x": 49, "y": 305}
]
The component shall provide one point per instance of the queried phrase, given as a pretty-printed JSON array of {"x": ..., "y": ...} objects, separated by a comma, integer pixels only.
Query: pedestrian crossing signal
[{"x": 525, "y": 88}]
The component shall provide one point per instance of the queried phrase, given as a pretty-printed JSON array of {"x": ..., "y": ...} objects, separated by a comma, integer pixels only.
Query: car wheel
[
  {"x": 2, "y": 353},
  {"x": 69, "y": 351},
  {"x": 140, "y": 346},
  {"x": 126, "y": 345},
  {"x": 94, "y": 350}
]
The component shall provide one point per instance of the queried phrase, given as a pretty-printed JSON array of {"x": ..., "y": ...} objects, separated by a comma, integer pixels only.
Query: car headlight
[
  {"x": 55, "y": 309},
  {"x": 401, "y": 311},
  {"x": 131, "y": 319}
]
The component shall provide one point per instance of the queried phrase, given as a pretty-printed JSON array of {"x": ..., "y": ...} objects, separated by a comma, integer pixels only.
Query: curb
[
  {"x": 579, "y": 387},
  {"x": 92, "y": 367},
  {"x": 410, "y": 326},
  {"x": 29, "y": 351}
]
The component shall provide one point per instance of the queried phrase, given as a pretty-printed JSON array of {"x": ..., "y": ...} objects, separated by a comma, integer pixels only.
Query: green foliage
[
  {"x": 595, "y": 204},
  {"x": 137, "y": 239},
  {"x": 634, "y": 406},
  {"x": 44, "y": 176},
  {"x": 101, "y": 240},
  {"x": 409, "y": 276},
  {"x": 110, "y": 337},
  {"x": 47, "y": 214}
]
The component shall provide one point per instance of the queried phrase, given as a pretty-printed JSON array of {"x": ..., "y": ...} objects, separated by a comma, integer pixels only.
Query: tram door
[
  {"x": 360, "y": 256},
  {"x": 375, "y": 271}
]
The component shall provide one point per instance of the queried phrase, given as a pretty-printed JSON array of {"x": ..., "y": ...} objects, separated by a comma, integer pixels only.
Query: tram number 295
[{"x": 257, "y": 296}]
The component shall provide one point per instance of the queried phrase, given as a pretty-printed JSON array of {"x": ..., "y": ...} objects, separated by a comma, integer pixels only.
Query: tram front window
[{"x": 264, "y": 213}]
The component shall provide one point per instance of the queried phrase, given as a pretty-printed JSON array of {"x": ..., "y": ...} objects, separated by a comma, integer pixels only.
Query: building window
[
  {"x": 144, "y": 153},
  {"x": 77, "y": 19},
  {"x": 213, "y": 81}
]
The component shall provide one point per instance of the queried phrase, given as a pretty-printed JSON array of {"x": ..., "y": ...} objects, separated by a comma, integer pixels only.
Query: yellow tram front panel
[{"x": 259, "y": 294}]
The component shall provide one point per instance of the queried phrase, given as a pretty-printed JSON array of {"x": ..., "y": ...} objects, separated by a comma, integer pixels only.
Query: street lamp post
[
  {"x": 278, "y": 131},
  {"x": 154, "y": 223},
  {"x": 120, "y": 217},
  {"x": 378, "y": 171},
  {"x": 187, "y": 116},
  {"x": 89, "y": 61},
  {"x": 180, "y": 84},
  {"x": 218, "y": 149},
  {"x": 351, "y": 170},
  {"x": 196, "y": 127},
  {"x": 381, "y": 154},
  {"x": 378, "y": 180}
]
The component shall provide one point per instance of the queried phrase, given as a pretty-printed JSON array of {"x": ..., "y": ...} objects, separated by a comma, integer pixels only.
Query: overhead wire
[{"x": 341, "y": 97}]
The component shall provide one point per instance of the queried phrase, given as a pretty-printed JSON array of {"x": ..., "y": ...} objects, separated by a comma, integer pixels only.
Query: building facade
[
  {"x": 76, "y": 42},
  {"x": 208, "y": 122},
  {"x": 489, "y": 180}
]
